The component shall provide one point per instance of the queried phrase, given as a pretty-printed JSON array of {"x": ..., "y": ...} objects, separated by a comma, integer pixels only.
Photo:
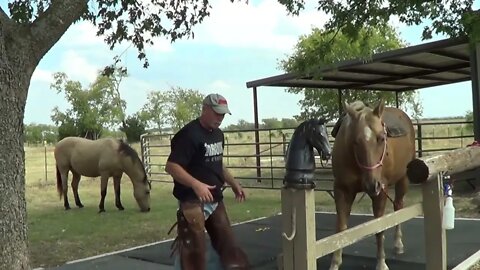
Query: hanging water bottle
[{"x": 449, "y": 209}]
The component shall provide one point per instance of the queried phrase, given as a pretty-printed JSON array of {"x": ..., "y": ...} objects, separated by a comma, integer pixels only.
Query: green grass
[{"x": 57, "y": 236}]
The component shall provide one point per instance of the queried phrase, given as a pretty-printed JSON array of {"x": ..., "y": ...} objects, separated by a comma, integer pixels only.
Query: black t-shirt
[{"x": 200, "y": 152}]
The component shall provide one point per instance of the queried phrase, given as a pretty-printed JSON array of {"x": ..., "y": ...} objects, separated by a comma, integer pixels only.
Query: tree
[
  {"x": 452, "y": 18},
  {"x": 92, "y": 109},
  {"x": 241, "y": 125},
  {"x": 133, "y": 127},
  {"x": 271, "y": 123},
  {"x": 154, "y": 111},
  {"x": 187, "y": 105},
  {"x": 39, "y": 133},
  {"x": 27, "y": 32},
  {"x": 173, "y": 108},
  {"x": 323, "y": 103}
]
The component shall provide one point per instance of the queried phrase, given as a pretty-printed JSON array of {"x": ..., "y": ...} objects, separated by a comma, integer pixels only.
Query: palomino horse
[
  {"x": 105, "y": 158},
  {"x": 371, "y": 151},
  {"x": 300, "y": 159}
]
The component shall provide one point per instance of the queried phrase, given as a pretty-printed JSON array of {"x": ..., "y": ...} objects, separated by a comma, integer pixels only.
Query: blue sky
[{"x": 236, "y": 44}]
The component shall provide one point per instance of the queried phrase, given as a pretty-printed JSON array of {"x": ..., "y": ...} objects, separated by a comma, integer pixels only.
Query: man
[{"x": 196, "y": 165}]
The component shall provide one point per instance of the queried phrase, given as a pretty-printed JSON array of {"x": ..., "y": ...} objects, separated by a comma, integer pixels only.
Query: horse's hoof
[
  {"x": 80, "y": 205},
  {"x": 101, "y": 211},
  {"x": 382, "y": 266},
  {"x": 399, "y": 250},
  {"x": 67, "y": 207},
  {"x": 121, "y": 208}
]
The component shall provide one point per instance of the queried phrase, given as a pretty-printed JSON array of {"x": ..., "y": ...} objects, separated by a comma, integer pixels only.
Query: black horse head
[
  {"x": 300, "y": 159},
  {"x": 317, "y": 136}
]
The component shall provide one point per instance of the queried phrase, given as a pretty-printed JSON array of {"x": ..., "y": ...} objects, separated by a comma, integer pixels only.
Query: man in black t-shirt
[{"x": 196, "y": 165}]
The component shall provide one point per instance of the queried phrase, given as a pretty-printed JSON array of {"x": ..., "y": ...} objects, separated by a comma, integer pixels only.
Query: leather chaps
[{"x": 191, "y": 238}]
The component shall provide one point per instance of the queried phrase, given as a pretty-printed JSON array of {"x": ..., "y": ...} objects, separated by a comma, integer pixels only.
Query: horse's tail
[{"x": 59, "y": 183}]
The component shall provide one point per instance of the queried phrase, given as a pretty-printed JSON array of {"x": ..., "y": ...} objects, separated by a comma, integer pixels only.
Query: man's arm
[
  {"x": 236, "y": 187},
  {"x": 182, "y": 176}
]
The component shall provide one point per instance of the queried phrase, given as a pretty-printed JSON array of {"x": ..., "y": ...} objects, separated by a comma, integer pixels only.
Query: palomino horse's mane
[{"x": 130, "y": 152}]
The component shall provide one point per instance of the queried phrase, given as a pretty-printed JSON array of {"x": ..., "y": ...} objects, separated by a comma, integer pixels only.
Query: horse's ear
[
  {"x": 378, "y": 111},
  {"x": 350, "y": 110}
]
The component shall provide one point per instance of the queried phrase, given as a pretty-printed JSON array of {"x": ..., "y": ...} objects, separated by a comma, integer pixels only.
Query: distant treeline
[{"x": 35, "y": 134}]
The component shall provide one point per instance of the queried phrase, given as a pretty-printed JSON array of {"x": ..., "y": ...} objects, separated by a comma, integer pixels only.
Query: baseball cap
[{"x": 217, "y": 102}]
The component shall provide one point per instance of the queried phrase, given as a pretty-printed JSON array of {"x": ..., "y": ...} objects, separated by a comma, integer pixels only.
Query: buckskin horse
[
  {"x": 371, "y": 151},
  {"x": 105, "y": 158}
]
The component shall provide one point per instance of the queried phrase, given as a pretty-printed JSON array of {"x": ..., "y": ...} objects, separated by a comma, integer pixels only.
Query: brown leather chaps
[{"x": 191, "y": 238}]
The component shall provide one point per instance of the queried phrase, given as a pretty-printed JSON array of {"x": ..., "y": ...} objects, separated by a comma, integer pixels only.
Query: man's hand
[
  {"x": 203, "y": 191},
  {"x": 239, "y": 193}
]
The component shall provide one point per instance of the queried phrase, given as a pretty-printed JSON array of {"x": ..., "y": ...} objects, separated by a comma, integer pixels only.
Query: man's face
[{"x": 212, "y": 118}]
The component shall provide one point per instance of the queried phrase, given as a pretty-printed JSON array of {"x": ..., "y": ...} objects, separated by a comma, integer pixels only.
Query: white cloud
[
  {"x": 78, "y": 67},
  {"x": 82, "y": 34},
  {"x": 266, "y": 25},
  {"x": 40, "y": 75},
  {"x": 220, "y": 85}
]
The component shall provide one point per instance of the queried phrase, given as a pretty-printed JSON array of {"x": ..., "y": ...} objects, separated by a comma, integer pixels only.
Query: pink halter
[{"x": 380, "y": 162}]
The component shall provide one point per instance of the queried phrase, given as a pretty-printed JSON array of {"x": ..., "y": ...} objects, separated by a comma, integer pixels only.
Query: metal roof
[{"x": 426, "y": 65}]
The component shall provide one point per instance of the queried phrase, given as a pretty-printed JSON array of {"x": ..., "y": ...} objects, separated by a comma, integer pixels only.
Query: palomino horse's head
[
  {"x": 317, "y": 136},
  {"x": 366, "y": 133}
]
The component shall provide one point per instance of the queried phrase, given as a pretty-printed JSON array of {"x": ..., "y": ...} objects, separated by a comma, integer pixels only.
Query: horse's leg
[
  {"x": 378, "y": 204},
  {"x": 64, "y": 175},
  {"x": 116, "y": 186},
  {"x": 401, "y": 188},
  {"x": 343, "y": 203},
  {"x": 103, "y": 191},
  {"x": 75, "y": 180}
]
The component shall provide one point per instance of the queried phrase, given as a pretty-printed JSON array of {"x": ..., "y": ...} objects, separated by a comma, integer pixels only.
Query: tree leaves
[
  {"x": 322, "y": 48},
  {"x": 442, "y": 17},
  {"x": 172, "y": 108},
  {"x": 92, "y": 109}
]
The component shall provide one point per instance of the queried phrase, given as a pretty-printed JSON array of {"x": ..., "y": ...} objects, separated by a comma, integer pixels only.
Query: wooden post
[
  {"x": 299, "y": 236},
  {"x": 435, "y": 237}
]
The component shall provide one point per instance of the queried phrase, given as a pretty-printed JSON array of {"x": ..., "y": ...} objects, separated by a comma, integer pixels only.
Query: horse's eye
[{"x": 381, "y": 138}]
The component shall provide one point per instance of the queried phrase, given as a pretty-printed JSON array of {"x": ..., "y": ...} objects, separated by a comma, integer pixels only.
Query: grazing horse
[
  {"x": 371, "y": 151},
  {"x": 300, "y": 159},
  {"x": 105, "y": 158}
]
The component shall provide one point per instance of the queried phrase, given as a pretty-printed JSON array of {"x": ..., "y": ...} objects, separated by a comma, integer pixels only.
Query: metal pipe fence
[{"x": 262, "y": 164}]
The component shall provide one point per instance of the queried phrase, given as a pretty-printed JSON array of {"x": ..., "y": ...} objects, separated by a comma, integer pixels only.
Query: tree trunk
[{"x": 13, "y": 215}]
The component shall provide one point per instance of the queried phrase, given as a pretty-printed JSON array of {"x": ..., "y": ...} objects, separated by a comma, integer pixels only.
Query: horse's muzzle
[
  {"x": 145, "y": 210},
  {"x": 373, "y": 188}
]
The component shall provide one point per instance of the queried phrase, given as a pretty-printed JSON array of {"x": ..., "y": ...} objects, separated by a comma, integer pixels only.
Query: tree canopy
[
  {"x": 451, "y": 18},
  {"x": 92, "y": 109},
  {"x": 323, "y": 103},
  {"x": 172, "y": 108}
]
